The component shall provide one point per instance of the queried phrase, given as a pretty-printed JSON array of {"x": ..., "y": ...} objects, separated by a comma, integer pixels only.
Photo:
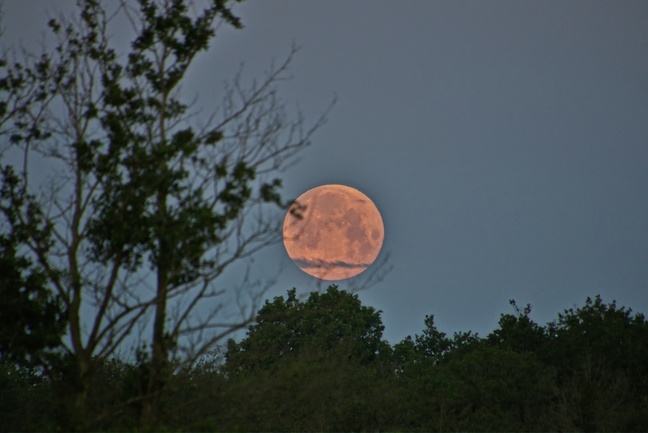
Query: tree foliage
[
  {"x": 308, "y": 364},
  {"x": 31, "y": 318},
  {"x": 302, "y": 366},
  {"x": 598, "y": 351},
  {"x": 120, "y": 207},
  {"x": 329, "y": 322}
]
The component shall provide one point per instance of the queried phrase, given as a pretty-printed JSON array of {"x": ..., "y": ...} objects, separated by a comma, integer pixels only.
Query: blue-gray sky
[{"x": 504, "y": 142}]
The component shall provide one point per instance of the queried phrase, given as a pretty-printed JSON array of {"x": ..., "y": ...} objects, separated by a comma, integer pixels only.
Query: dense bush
[{"x": 321, "y": 364}]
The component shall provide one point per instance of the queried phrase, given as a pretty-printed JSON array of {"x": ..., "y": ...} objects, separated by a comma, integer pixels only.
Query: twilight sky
[{"x": 504, "y": 142}]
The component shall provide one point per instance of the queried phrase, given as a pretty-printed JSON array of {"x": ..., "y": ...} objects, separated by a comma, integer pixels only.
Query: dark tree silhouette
[{"x": 143, "y": 207}]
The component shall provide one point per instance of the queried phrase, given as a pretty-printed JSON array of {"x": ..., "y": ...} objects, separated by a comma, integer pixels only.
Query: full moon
[{"x": 333, "y": 232}]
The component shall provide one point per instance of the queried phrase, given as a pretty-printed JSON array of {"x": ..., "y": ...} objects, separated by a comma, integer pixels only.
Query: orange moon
[{"x": 333, "y": 232}]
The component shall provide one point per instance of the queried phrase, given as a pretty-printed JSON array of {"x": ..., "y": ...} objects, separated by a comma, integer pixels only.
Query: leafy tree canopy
[{"x": 286, "y": 327}]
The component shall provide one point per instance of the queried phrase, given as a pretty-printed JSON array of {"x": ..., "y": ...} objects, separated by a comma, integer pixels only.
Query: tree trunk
[
  {"x": 79, "y": 409},
  {"x": 159, "y": 345},
  {"x": 72, "y": 388},
  {"x": 156, "y": 369}
]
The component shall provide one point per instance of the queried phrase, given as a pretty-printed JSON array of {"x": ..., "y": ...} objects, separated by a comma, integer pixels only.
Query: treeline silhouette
[{"x": 321, "y": 364}]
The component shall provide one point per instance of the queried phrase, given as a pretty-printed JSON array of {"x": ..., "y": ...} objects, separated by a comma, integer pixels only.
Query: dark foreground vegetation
[{"x": 321, "y": 364}]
